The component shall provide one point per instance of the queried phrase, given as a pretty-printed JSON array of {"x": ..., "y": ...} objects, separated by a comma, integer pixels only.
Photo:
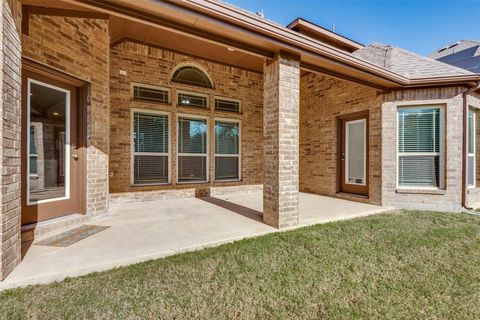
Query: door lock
[{"x": 74, "y": 153}]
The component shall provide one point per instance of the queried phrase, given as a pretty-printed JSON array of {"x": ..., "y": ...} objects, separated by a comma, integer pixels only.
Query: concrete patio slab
[{"x": 149, "y": 230}]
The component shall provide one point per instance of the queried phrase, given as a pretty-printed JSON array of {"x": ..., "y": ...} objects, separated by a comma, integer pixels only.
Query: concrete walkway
[{"x": 150, "y": 230}]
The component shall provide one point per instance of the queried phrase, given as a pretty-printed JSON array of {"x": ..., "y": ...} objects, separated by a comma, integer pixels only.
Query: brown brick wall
[
  {"x": 80, "y": 47},
  {"x": 281, "y": 138},
  {"x": 322, "y": 100},
  {"x": 154, "y": 66},
  {"x": 448, "y": 199},
  {"x": 10, "y": 129}
]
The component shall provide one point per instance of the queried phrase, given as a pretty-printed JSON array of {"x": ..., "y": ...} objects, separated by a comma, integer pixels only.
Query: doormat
[{"x": 70, "y": 237}]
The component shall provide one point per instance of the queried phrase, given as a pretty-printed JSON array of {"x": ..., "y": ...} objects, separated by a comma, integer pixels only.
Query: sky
[{"x": 421, "y": 26}]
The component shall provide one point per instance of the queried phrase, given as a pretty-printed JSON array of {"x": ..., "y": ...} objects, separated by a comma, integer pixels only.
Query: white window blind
[
  {"x": 150, "y": 156},
  {"x": 192, "y": 150},
  {"x": 227, "y": 150},
  {"x": 419, "y": 147},
  {"x": 471, "y": 148}
]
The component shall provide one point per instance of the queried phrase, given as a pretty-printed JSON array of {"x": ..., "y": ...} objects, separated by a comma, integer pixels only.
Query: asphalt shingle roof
[{"x": 406, "y": 63}]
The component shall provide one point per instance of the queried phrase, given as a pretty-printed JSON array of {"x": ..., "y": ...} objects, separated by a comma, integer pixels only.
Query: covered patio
[{"x": 141, "y": 231}]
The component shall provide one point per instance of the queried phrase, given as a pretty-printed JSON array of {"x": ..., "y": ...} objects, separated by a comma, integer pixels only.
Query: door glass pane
[
  {"x": 47, "y": 159},
  {"x": 355, "y": 149}
]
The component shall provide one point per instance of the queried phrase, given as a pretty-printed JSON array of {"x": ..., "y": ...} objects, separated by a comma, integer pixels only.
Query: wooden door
[{"x": 50, "y": 156}]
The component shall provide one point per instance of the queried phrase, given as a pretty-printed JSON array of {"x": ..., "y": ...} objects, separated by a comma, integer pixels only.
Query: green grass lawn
[{"x": 401, "y": 265}]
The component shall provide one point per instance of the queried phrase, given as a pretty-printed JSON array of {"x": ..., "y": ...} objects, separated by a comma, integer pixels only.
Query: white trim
[
  {"x": 67, "y": 141},
  {"x": 240, "y": 107},
  {"x": 239, "y": 155},
  {"x": 132, "y": 147},
  {"x": 474, "y": 150},
  {"x": 441, "y": 154},
  {"x": 207, "y": 144},
  {"x": 364, "y": 152},
  {"x": 150, "y": 86}
]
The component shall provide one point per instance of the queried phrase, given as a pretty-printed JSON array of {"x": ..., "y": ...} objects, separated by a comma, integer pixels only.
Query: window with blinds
[
  {"x": 230, "y": 105},
  {"x": 192, "y": 164},
  {"x": 420, "y": 147},
  {"x": 471, "y": 148},
  {"x": 151, "y": 151},
  {"x": 227, "y": 150},
  {"x": 196, "y": 100},
  {"x": 150, "y": 93}
]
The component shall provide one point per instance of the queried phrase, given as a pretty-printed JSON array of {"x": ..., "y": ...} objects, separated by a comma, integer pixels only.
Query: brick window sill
[{"x": 421, "y": 191}]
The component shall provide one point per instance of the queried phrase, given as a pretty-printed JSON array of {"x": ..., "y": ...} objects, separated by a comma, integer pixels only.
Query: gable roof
[
  {"x": 406, "y": 63},
  {"x": 464, "y": 54}
]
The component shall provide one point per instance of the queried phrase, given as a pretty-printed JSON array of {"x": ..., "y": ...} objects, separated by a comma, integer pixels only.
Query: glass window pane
[
  {"x": 150, "y": 133},
  {"x": 192, "y": 168},
  {"x": 150, "y": 169},
  {"x": 226, "y": 168},
  {"x": 356, "y": 141},
  {"x": 419, "y": 171},
  {"x": 227, "y": 137},
  {"x": 47, "y": 157},
  {"x": 192, "y": 136},
  {"x": 471, "y": 170},
  {"x": 471, "y": 132},
  {"x": 192, "y": 76},
  {"x": 419, "y": 130}
]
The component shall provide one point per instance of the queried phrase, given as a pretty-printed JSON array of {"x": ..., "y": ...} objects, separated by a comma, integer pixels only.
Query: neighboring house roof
[
  {"x": 406, "y": 63},
  {"x": 464, "y": 54}
]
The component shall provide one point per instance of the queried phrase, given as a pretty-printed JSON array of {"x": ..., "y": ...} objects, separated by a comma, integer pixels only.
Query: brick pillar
[
  {"x": 10, "y": 129},
  {"x": 281, "y": 140}
]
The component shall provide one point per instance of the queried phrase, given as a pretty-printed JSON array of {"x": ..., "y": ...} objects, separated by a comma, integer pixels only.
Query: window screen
[
  {"x": 227, "y": 150},
  {"x": 419, "y": 147},
  {"x": 150, "y": 156},
  {"x": 192, "y": 150}
]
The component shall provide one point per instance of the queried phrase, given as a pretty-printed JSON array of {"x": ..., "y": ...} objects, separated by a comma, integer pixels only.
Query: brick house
[{"x": 111, "y": 101}]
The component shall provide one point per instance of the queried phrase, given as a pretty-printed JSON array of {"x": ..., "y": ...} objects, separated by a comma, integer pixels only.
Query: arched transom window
[{"x": 193, "y": 76}]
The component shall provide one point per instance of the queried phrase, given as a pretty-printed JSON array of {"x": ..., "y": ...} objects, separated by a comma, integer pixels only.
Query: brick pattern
[
  {"x": 80, "y": 47},
  {"x": 281, "y": 141},
  {"x": 322, "y": 100},
  {"x": 444, "y": 200},
  {"x": 154, "y": 66},
  {"x": 10, "y": 129}
]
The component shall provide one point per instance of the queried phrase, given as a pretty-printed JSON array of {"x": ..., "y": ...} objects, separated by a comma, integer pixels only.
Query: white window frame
[
  {"x": 239, "y": 155},
  {"x": 441, "y": 154},
  {"x": 471, "y": 186},
  {"x": 193, "y": 93},
  {"x": 132, "y": 147},
  {"x": 150, "y": 86},
  {"x": 207, "y": 154},
  {"x": 240, "y": 107},
  {"x": 67, "y": 140},
  {"x": 364, "y": 152}
]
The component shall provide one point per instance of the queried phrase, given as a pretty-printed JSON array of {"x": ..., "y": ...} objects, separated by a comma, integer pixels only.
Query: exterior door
[
  {"x": 50, "y": 158},
  {"x": 354, "y": 161}
]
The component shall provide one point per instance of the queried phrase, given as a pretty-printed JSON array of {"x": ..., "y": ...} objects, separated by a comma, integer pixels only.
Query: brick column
[
  {"x": 10, "y": 130},
  {"x": 281, "y": 140}
]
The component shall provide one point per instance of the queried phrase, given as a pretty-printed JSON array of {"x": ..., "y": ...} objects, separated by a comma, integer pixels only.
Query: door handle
[{"x": 74, "y": 153}]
